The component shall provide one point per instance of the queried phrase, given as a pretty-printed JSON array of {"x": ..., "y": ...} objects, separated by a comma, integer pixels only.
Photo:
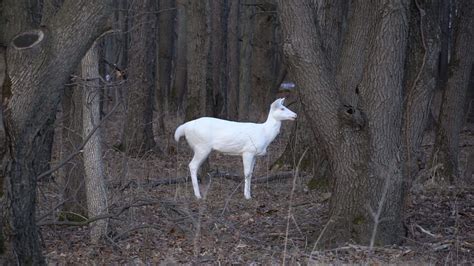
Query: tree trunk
[
  {"x": 446, "y": 148},
  {"x": 424, "y": 44},
  {"x": 180, "y": 71},
  {"x": 197, "y": 53},
  {"x": 216, "y": 59},
  {"x": 232, "y": 66},
  {"x": 165, "y": 52},
  {"x": 332, "y": 21},
  {"x": 72, "y": 173},
  {"x": 264, "y": 58},
  {"x": 166, "y": 97},
  {"x": 247, "y": 31},
  {"x": 138, "y": 137},
  {"x": 362, "y": 143},
  {"x": 96, "y": 190},
  {"x": 39, "y": 64}
]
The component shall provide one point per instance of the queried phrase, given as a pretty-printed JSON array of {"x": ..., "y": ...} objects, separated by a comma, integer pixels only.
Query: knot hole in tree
[
  {"x": 352, "y": 116},
  {"x": 27, "y": 39}
]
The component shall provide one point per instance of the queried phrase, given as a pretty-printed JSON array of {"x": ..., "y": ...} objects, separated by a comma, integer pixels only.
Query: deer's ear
[
  {"x": 281, "y": 101},
  {"x": 276, "y": 103}
]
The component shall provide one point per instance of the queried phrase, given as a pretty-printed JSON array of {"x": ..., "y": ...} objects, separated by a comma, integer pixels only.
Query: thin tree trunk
[
  {"x": 138, "y": 137},
  {"x": 93, "y": 164},
  {"x": 233, "y": 61},
  {"x": 197, "y": 53},
  {"x": 446, "y": 148},
  {"x": 166, "y": 97},
  {"x": 216, "y": 59},
  {"x": 263, "y": 56},
  {"x": 247, "y": 31},
  {"x": 179, "y": 64}
]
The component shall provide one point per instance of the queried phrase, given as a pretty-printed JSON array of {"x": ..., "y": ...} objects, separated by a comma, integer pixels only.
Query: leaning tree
[{"x": 39, "y": 63}]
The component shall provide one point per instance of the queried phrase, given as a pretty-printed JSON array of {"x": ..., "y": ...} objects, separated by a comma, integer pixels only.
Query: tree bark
[
  {"x": 198, "y": 41},
  {"x": 138, "y": 137},
  {"x": 446, "y": 148},
  {"x": 362, "y": 143},
  {"x": 38, "y": 67},
  {"x": 96, "y": 190}
]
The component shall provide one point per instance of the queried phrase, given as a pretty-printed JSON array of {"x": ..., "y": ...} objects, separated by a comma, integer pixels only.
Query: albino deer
[{"x": 234, "y": 138}]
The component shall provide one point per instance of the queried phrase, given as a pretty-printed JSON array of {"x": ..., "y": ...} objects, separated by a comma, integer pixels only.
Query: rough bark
[
  {"x": 331, "y": 21},
  {"x": 233, "y": 56},
  {"x": 96, "y": 190},
  {"x": 446, "y": 148},
  {"x": 354, "y": 52},
  {"x": 138, "y": 137},
  {"x": 72, "y": 173},
  {"x": 423, "y": 51},
  {"x": 362, "y": 143},
  {"x": 197, "y": 53},
  {"x": 38, "y": 72},
  {"x": 247, "y": 31}
]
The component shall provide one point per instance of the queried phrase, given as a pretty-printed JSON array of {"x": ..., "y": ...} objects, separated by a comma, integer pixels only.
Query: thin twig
[
  {"x": 291, "y": 201},
  {"x": 80, "y": 148}
]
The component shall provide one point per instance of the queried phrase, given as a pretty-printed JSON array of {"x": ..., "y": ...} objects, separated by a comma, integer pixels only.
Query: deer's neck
[{"x": 271, "y": 127}]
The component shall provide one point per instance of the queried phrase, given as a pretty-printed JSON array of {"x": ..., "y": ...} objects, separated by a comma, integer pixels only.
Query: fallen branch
[{"x": 184, "y": 179}]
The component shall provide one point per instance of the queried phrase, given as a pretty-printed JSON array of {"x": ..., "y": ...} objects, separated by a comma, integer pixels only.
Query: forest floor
[{"x": 154, "y": 223}]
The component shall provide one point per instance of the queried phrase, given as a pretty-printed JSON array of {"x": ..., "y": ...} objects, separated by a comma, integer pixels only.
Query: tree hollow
[{"x": 27, "y": 39}]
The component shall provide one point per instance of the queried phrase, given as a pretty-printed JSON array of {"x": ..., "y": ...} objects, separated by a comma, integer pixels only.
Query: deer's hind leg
[{"x": 200, "y": 154}]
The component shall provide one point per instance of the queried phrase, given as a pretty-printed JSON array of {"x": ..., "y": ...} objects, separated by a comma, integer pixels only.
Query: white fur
[{"x": 235, "y": 138}]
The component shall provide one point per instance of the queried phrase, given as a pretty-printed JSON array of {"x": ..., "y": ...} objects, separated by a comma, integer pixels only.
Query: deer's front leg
[{"x": 249, "y": 163}]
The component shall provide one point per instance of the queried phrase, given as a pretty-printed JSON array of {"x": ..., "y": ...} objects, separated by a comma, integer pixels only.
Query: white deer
[{"x": 234, "y": 138}]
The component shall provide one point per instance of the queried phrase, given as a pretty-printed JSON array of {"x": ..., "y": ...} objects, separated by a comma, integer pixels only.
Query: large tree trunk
[
  {"x": 39, "y": 66},
  {"x": 362, "y": 142},
  {"x": 72, "y": 173},
  {"x": 446, "y": 148},
  {"x": 93, "y": 164},
  {"x": 331, "y": 22},
  {"x": 197, "y": 53},
  {"x": 138, "y": 137}
]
